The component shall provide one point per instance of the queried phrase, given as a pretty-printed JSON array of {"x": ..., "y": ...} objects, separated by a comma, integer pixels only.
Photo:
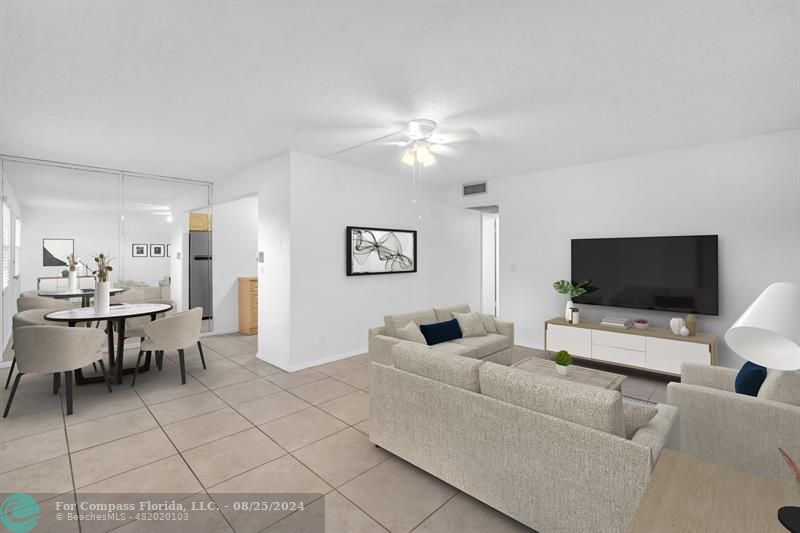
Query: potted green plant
[
  {"x": 102, "y": 292},
  {"x": 72, "y": 267},
  {"x": 572, "y": 289},
  {"x": 563, "y": 360}
]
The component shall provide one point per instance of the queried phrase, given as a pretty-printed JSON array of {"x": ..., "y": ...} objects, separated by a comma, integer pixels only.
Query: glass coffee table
[{"x": 577, "y": 374}]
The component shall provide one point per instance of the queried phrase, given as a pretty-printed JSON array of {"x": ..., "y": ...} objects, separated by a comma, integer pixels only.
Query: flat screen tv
[{"x": 665, "y": 273}]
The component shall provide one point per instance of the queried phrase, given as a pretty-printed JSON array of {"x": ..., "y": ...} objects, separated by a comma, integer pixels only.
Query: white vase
[
  {"x": 567, "y": 312},
  {"x": 102, "y": 298},
  {"x": 73, "y": 280},
  {"x": 676, "y": 324},
  {"x": 561, "y": 369}
]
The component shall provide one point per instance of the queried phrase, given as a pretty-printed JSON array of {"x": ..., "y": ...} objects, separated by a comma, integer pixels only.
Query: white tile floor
[{"x": 240, "y": 425}]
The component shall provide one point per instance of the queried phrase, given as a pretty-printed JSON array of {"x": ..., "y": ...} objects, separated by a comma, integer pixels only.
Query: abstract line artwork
[{"x": 380, "y": 251}]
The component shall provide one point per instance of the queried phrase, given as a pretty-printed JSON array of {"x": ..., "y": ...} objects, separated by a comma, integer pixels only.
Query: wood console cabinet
[
  {"x": 248, "y": 306},
  {"x": 655, "y": 350}
]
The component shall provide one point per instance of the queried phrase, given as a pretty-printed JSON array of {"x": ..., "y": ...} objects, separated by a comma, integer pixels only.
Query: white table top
[
  {"x": 84, "y": 314},
  {"x": 66, "y": 293}
]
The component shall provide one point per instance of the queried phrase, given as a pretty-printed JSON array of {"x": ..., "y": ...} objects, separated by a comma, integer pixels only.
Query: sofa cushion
[
  {"x": 411, "y": 332},
  {"x": 441, "y": 331},
  {"x": 486, "y": 345},
  {"x": 446, "y": 313},
  {"x": 588, "y": 406},
  {"x": 393, "y": 322},
  {"x": 461, "y": 372},
  {"x": 636, "y": 415},
  {"x": 781, "y": 386},
  {"x": 750, "y": 378},
  {"x": 489, "y": 324},
  {"x": 471, "y": 324},
  {"x": 454, "y": 348}
]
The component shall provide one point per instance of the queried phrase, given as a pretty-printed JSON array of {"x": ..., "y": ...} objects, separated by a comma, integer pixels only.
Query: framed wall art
[{"x": 380, "y": 251}]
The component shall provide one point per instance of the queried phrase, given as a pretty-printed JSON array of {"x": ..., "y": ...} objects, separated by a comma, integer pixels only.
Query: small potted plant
[
  {"x": 563, "y": 360},
  {"x": 72, "y": 267},
  {"x": 572, "y": 289},
  {"x": 102, "y": 293}
]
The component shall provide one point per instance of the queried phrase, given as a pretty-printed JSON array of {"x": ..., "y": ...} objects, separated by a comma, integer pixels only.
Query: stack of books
[{"x": 617, "y": 322}]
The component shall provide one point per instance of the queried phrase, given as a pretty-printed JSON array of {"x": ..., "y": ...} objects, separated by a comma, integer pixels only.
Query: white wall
[
  {"x": 269, "y": 180},
  {"x": 309, "y": 310},
  {"x": 93, "y": 232},
  {"x": 747, "y": 191},
  {"x": 332, "y": 312},
  {"x": 235, "y": 245},
  {"x": 8, "y": 302}
]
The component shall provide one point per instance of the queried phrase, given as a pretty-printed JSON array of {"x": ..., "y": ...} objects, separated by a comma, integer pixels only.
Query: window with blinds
[
  {"x": 17, "y": 246},
  {"x": 6, "y": 245}
]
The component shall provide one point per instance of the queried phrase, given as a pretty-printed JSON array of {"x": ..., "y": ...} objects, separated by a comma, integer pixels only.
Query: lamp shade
[{"x": 768, "y": 332}]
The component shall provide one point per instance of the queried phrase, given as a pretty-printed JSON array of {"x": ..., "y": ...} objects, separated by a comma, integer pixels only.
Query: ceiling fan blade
[
  {"x": 444, "y": 150},
  {"x": 451, "y": 136}
]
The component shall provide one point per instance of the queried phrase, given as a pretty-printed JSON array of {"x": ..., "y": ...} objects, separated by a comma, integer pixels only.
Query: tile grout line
[
  {"x": 185, "y": 462},
  {"x": 435, "y": 510},
  {"x": 69, "y": 460}
]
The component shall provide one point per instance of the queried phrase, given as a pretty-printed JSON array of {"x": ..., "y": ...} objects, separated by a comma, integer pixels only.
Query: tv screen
[{"x": 664, "y": 273}]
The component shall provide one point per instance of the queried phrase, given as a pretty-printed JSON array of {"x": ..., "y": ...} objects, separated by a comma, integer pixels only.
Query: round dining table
[
  {"x": 84, "y": 294},
  {"x": 116, "y": 316}
]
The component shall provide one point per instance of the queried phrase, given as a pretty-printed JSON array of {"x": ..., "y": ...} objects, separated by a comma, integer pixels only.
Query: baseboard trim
[
  {"x": 221, "y": 332},
  {"x": 303, "y": 366}
]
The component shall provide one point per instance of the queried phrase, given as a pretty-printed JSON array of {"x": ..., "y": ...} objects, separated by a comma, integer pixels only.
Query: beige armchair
[
  {"x": 737, "y": 430},
  {"x": 172, "y": 333},
  {"x": 52, "y": 350},
  {"x": 26, "y": 303}
]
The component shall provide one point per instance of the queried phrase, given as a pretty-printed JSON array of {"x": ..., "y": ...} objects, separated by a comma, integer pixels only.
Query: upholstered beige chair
[
  {"x": 33, "y": 317},
  {"x": 134, "y": 327},
  {"x": 26, "y": 303},
  {"x": 173, "y": 333},
  {"x": 52, "y": 350}
]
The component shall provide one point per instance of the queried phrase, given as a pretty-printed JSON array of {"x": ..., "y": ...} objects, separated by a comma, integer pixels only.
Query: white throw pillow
[
  {"x": 489, "y": 324},
  {"x": 471, "y": 324},
  {"x": 411, "y": 332},
  {"x": 636, "y": 415},
  {"x": 781, "y": 386}
]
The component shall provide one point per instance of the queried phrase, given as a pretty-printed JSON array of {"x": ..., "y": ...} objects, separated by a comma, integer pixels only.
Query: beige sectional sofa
[
  {"x": 495, "y": 346},
  {"x": 737, "y": 430},
  {"x": 552, "y": 454}
]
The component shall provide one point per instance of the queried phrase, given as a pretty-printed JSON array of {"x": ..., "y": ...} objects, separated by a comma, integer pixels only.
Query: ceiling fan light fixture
[
  {"x": 424, "y": 154},
  {"x": 409, "y": 157}
]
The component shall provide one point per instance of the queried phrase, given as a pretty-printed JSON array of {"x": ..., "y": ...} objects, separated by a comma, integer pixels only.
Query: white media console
[{"x": 654, "y": 350}]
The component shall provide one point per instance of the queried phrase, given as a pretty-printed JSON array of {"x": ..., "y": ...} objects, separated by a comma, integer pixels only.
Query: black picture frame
[
  {"x": 168, "y": 251},
  {"x": 157, "y": 250},
  {"x": 54, "y": 248},
  {"x": 142, "y": 252},
  {"x": 377, "y": 238}
]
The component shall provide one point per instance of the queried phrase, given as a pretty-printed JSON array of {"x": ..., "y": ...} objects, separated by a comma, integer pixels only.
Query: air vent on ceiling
[{"x": 475, "y": 188}]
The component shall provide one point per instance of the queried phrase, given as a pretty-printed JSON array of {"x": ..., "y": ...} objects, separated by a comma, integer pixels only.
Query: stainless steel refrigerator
[{"x": 200, "y": 271}]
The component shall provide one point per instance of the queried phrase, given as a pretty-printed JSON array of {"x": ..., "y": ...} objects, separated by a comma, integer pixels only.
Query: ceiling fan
[{"x": 423, "y": 140}]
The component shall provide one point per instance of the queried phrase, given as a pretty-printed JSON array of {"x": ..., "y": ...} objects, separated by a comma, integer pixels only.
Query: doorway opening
[{"x": 490, "y": 259}]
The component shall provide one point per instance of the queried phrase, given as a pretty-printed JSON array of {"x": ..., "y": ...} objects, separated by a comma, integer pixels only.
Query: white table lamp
[{"x": 768, "y": 332}]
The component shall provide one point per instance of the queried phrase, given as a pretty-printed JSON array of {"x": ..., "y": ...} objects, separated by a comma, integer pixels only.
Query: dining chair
[
  {"x": 52, "y": 350},
  {"x": 173, "y": 333},
  {"x": 26, "y": 303},
  {"x": 32, "y": 317},
  {"x": 134, "y": 327}
]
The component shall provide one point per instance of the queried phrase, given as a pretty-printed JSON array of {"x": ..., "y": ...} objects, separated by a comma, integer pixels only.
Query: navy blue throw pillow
[
  {"x": 750, "y": 378},
  {"x": 441, "y": 332}
]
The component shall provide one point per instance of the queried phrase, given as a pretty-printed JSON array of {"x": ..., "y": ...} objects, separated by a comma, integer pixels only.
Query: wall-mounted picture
[
  {"x": 380, "y": 251},
  {"x": 55, "y": 251},
  {"x": 157, "y": 250},
  {"x": 139, "y": 250},
  {"x": 168, "y": 251}
]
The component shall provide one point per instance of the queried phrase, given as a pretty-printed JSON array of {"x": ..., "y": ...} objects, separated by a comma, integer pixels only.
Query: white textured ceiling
[{"x": 201, "y": 89}]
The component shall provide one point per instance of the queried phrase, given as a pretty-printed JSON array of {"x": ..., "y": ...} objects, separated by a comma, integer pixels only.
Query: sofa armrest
[
  {"x": 380, "y": 348},
  {"x": 737, "y": 430},
  {"x": 506, "y": 329},
  {"x": 715, "y": 377},
  {"x": 654, "y": 433}
]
